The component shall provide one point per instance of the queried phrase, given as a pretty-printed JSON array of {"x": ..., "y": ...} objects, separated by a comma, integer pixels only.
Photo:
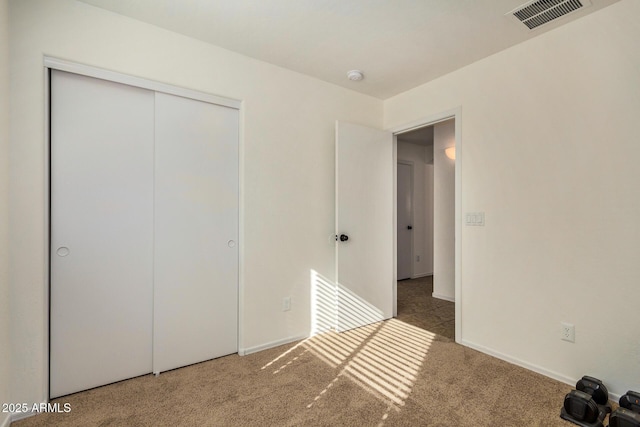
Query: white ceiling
[{"x": 399, "y": 44}]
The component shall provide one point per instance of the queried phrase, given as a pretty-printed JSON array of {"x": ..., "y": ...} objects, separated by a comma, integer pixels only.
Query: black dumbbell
[
  {"x": 628, "y": 414},
  {"x": 631, "y": 401},
  {"x": 623, "y": 417},
  {"x": 588, "y": 405}
]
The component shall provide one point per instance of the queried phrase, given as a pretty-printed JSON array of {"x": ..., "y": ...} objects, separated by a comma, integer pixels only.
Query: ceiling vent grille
[{"x": 540, "y": 12}]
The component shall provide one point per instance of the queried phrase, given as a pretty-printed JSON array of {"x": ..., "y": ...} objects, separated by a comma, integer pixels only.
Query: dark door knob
[
  {"x": 409, "y": 227},
  {"x": 344, "y": 237}
]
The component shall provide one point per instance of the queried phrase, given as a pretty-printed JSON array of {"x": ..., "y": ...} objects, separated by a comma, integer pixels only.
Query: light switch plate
[{"x": 474, "y": 218}]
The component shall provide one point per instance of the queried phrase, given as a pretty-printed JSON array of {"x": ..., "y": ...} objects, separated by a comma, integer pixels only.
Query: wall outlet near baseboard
[
  {"x": 567, "y": 332},
  {"x": 418, "y": 258},
  {"x": 286, "y": 303}
]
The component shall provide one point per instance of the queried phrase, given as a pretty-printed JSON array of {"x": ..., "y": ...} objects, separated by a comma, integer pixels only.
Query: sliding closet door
[
  {"x": 102, "y": 136},
  {"x": 196, "y": 232}
]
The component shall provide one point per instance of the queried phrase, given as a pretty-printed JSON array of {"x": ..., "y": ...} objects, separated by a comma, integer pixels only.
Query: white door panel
[
  {"x": 144, "y": 232},
  {"x": 405, "y": 213},
  {"x": 196, "y": 232},
  {"x": 364, "y": 213},
  {"x": 101, "y": 232}
]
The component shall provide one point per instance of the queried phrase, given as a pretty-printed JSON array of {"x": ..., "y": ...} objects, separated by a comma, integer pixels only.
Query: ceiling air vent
[{"x": 539, "y": 12}]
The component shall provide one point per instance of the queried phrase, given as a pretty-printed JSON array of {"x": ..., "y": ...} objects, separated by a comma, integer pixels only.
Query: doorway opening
[{"x": 425, "y": 221}]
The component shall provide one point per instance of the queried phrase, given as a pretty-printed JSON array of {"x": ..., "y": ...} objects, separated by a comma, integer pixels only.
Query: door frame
[
  {"x": 411, "y": 215},
  {"x": 456, "y": 114},
  {"x": 52, "y": 63}
]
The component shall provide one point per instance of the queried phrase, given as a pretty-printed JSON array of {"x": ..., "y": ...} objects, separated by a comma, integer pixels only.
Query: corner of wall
[
  {"x": 5, "y": 347},
  {"x": 443, "y": 213}
]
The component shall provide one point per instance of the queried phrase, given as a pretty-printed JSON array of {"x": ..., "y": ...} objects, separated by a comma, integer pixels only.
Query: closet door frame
[{"x": 51, "y": 63}]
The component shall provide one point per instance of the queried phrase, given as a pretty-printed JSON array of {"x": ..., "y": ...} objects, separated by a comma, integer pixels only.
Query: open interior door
[{"x": 364, "y": 225}]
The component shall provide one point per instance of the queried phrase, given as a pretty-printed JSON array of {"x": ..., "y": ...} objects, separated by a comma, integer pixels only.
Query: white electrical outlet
[
  {"x": 286, "y": 304},
  {"x": 567, "y": 332}
]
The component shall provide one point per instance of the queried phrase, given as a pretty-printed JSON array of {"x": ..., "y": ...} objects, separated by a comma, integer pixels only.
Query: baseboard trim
[
  {"x": 417, "y": 276},
  {"x": 37, "y": 408},
  {"x": 515, "y": 361},
  {"x": 17, "y": 416},
  {"x": 530, "y": 366},
  {"x": 266, "y": 346},
  {"x": 444, "y": 297},
  {"x": 6, "y": 421}
]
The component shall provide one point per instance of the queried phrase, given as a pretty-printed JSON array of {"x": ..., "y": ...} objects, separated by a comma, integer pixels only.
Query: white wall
[
  {"x": 419, "y": 156},
  {"x": 287, "y": 150},
  {"x": 5, "y": 346},
  {"x": 549, "y": 135},
  {"x": 444, "y": 212}
]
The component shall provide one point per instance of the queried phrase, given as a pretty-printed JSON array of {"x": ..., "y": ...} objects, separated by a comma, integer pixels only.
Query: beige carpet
[
  {"x": 387, "y": 374},
  {"x": 416, "y": 306}
]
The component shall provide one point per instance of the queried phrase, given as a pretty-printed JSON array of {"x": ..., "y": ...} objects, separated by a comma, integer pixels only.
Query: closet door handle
[{"x": 63, "y": 251}]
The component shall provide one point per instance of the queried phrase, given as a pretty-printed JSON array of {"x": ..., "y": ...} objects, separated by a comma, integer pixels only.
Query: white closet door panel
[
  {"x": 196, "y": 232},
  {"x": 101, "y": 232}
]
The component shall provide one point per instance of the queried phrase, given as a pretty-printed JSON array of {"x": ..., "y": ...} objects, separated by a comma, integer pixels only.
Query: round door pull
[
  {"x": 409, "y": 227},
  {"x": 63, "y": 251},
  {"x": 344, "y": 237}
]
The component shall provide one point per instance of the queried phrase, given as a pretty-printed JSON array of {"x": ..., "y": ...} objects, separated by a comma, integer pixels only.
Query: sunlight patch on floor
[
  {"x": 336, "y": 348},
  {"x": 388, "y": 364},
  {"x": 383, "y": 359}
]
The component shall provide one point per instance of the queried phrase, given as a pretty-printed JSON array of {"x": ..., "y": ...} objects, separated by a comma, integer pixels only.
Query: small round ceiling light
[{"x": 355, "y": 75}]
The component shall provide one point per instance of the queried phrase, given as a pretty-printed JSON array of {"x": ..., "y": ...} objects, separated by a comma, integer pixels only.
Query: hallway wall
[{"x": 549, "y": 132}]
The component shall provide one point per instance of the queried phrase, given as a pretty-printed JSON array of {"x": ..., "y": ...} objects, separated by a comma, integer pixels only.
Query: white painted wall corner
[{"x": 443, "y": 297}]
